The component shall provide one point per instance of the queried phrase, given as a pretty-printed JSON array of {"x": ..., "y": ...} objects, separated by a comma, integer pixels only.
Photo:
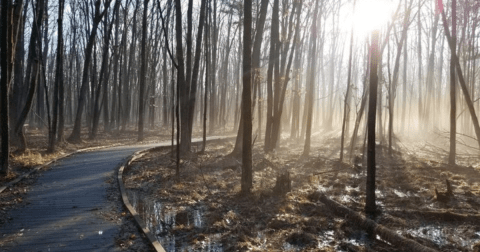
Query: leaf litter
[{"x": 205, "y": 211}]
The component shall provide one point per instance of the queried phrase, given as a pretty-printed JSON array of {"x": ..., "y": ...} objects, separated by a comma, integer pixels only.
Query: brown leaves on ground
[{"x": 209, "y": 193}]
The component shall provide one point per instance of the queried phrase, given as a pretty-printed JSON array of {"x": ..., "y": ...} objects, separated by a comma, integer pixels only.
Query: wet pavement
[{"x": 66, "y": 209}]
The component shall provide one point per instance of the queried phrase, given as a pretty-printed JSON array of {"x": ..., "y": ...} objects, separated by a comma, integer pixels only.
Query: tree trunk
[
  {"x": 76, "y": 132},
  {"x": 273, "y": 60},
  {"x": 20, "y": 86},
  {"x": 311, "y": 81},
  {"x": 181, "y": 85},
  {"x": 58, "y": 77},
  {"x": 143, "y": 72},
  {"x": 281, "y": 89},
  {"x": 257, "y": 44},
  {"x": 114, "y": 121},
  {"x": 4, "y": 83},
  {"x": 404, "y": 101},
  {"x": 205, "y": 98},
  {"x": 196, "y": 68},
  {"x": 362, "y": 108},
  {"x": 128, "y": 83},
  {"x": 419, "y": 51},
  {"x": 213, "y": 71},
  {"x": 453, "y": 102},
  {"x": 346, "y": 108},
  {"x": 393, "y": 86},
  {"x": 34, "y": 52},
  {"x": 370, "y": 205},
  {"x": 247, "y": 176},
  {"x": 463, "y": 85},
  {"x": 104, "y": 83},
  {"x": 41, "y": 91}
]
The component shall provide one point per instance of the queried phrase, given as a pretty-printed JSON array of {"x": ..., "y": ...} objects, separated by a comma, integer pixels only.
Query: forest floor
[
  {"x": 36, "y": 154},
  {"x": 205, "y": 211},
  {"x": 37, "y": 143}
]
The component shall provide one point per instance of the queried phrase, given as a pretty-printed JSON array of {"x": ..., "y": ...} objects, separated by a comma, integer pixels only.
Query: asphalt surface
[{"x": 67, "y": 207}]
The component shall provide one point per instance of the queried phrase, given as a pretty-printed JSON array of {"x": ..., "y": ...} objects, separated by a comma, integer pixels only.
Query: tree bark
[
  {"x": 461, "y": 78},
  {"x": 4, "y": 81},
  {"x": 143, "y": 72},
  {"x": 58, "y": 77},
  {"x": 393, "y": 87},
  {"x": 76, "y": 132},
  {"x": 311, "y": 81},
  {"x": 273, "y": 60},
  {"x": 370, "y": 205},
  {"x": 196, "y": 68},
  {"x": 247, "y": 176},
  {"x": 181, "y": 85},
  {"x": 453, "y": 80},
  {"x": 284, "y": 77},
  {"x": 346, "y": 108},
  {"x": 34, "y": 57}
]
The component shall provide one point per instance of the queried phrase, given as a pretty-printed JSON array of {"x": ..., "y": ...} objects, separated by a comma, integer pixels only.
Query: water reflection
[
  {"x": 443, "y": 235},
  {"x": 161, "y": 220}
]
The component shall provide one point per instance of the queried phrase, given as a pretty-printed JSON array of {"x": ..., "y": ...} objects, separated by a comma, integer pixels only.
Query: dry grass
[
  {"x": 265, "y": 221},
  {"x": 31, "y": 158}
]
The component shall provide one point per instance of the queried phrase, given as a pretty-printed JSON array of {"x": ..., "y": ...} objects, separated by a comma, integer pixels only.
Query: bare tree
[
  {"x": 143, "y": 72},
  {"x": 370, "y": 205},
  {"x": 4, "y": 81},
  {"x": 247, "y": 176},
  {"x": 33, "y": 72},
  {"x": 461, "y": 78},
  {"x": 76, "y": 132},
  {"x": 392, "y": 93},
  {"x": 311, "y": 79},
  {"x": 10, "y": 24},
  {"x": 453, "y": 81},
  {"x": 346, "y": 109},
  {"x": 58, "y": 77}
]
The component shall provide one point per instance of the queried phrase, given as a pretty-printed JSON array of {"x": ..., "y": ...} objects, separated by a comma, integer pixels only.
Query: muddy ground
[{"x": 205, "y": 211}]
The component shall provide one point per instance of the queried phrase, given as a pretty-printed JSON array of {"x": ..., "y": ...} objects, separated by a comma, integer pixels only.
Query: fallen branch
[
  {"x": 438, "y": 215},
  {"x": 386, "y": 234}
]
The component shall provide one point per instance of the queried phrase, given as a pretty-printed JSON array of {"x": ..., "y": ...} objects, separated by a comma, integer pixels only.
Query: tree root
[{"x": 372, "y": 227}]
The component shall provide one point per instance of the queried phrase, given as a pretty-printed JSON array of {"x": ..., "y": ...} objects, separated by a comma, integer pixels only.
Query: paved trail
[{"x": 64, "y": 206}]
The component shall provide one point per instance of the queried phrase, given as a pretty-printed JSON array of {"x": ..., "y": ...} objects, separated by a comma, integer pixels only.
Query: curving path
[{"x": 66, "y": 206}]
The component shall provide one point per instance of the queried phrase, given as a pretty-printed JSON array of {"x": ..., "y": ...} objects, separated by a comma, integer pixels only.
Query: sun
[{"x": 370, "y": 15}]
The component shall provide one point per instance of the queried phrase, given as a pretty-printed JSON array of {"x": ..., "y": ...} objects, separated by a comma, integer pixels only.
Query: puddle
[
  {"x": 400, "y": 194},
  {"x": 350, "y": 188},
  {"x": 162, "y": 219},
  {"x": 379, "y": 194},
  {"x": 326, "y": 240},
  {"x": 289, "y": 247},
  {"x": 357, "y": 175},
  {"x": 347, "y": 199},
  {"x": 443, "y": 235},
  {"x": 322, "y": 188}
]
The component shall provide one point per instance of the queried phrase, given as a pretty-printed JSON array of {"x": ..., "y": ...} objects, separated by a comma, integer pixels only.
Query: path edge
[
  {"x": 37, "y": 168},
  {"x": 126, "y": 202}
]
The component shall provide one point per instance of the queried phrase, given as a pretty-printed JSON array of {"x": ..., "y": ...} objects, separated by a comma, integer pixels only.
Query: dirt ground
[{"x": 204, "y": 210}]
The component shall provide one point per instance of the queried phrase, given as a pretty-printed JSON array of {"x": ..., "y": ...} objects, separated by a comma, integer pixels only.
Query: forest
[{"x": 280, "y": 125}]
